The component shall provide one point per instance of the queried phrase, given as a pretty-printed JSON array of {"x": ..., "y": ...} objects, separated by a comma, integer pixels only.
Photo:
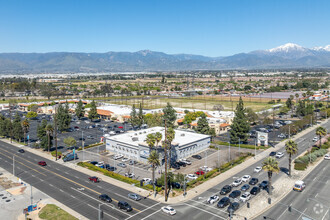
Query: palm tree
[
  {"x": 158, "y": 137},
  {"x": 150, "y": 140},
  {"x": 270, "y": 164},
  {"x": 291, "y": 149},
  {"x": 320, "y": 131},
  {"x": 328, "y": 92},
  {"x": 26, "y": 126},
  {"x": 49, "y": 130},
  {"x": 153, "y": 160},
  {"x": 170, "y": 138}
]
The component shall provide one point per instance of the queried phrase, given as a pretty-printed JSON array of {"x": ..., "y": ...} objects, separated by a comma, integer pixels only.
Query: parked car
[
  {"x": 279, "y": 155},
  {"x": 223, "y": 202},
  {"x": 134, "y": 196},
  {"x": 117, "y": 156},
  {"x": 132, "y": 162},
  {"x": 196, "y": 156},
  {"x": 246, "y": 178},
  {"x": 21, "y": 151},
  {"x": 94, "y": 179},
  {"x": 181, "y": 164},
  {"x": 315, "y": 139},
  {"x": 263, "y": 184},
  {"x": 93, "y": 162},
  {"x": 205, "y": 168},
  {"x": 226, "y": 189},
  {"x": 213, "y": 199},
  {"x": 186, "y": 161},
  {"x": 272, "y": 154},
  {"x": 245, "y": 197},
  {"x": 327, "y": 157},
  {"x": 245, "y": 187},
  {"x": 257, "y": 169},
  {"x": 234, "y": 194},
  {"x": 124, "y": 159},
  {"x": 237, "y": 182},
  {"x": 176, "y": 185},
  {"x": 191, "y": 176},
  {"x": 42, "y": 163},
  {"x": 121, "y": 165},
  {"x": 200, "y": 172},
  {"x": 110, "y": 168},
  {"x": 130, "y": 175},
  {"x": 255, "y": 190},
  {"x": 100, "y": 164},
  {"x": 168, "y": 210},
  {"x": 233, "y": 207},
  {"x": 175, "y": 166},
  {"x": 70, "y": 157},
  {"x": 105, "y": 197},
  {"x": 253, "y": 181},
  {"x": 124, "y": 205}
]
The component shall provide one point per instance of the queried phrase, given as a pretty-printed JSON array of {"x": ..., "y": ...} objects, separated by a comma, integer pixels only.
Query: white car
[
  {"x": 191, "y": 176},
  {"x": 327, "y": 157},
  {"x": 213, "y": 199},
  {"x": 186, "y": 161},
  {"x": 130, "y": 175},
  {"x": 237, "y": 182},
  {"x": 246, "y": 178},
  {"x": 245, "y": 197},
  {"x": 147, "y": 180},
  {"x": 168, "y": 210},
  {"x": 315, "y": 139},
  {"x": 125, "y": 159},
  {"x": 257, "y": 169},
  {"x": 112, "y": 133},
  {"x": 279, "y": 155},
  {"x": 205, "y": 168},
  {"x": 100, "y": 164},
  {"x": 118, "y": 156}
]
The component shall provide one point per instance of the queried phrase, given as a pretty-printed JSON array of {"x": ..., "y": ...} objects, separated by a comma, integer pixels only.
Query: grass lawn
[{"x": 53, "y": 212}]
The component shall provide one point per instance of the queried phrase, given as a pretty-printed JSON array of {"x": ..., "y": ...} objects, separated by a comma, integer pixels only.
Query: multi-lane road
[{"x": 73, "y": 189}]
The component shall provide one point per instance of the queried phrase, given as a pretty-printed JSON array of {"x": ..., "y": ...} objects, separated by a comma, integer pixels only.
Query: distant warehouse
[{"x": 132, "y": 145}]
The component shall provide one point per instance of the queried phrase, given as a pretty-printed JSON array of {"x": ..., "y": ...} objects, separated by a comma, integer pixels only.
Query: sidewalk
[{"x": 190, "y": 193}]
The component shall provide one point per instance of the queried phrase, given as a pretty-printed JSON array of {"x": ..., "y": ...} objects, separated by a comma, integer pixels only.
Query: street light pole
[
  {"x": 100, "y": 212},
  {"x": 31, "y": 197},
  {"x": 82, "y": 143},
  {"x": 13, "y": 165},
  {"x": 239, "y": 146},
  {"x": 219, "y": 157}
]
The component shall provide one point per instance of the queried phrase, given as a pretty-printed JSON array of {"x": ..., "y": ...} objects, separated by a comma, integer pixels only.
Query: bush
[
  {"x": 236, "y": 145},
  {"x": 300, "y": 166},
  {"x": 53, "y": 153}
]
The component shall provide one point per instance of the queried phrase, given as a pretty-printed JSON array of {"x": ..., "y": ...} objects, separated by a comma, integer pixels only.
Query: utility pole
[
  {"x": 31, "y": 197},
  {"x": 55, "y": 128},
  {"x": 13, "y": 165},
  {"x": 165, "y": 155},
  {"x": 82, "y": 143},
  {"x": 100, "y": 212},
  {"x": 219, "y": 157}
]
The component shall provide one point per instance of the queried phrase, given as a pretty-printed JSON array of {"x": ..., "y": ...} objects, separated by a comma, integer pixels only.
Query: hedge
[
  {"x": 236, "y": 145},
  {"x": 302, "y": 162},
  {"x": 116, "y": 176},
  {"x": 300, "y": 166},
  {"x": 53, "y": 153},
  {"x": 91, "y": 145}
]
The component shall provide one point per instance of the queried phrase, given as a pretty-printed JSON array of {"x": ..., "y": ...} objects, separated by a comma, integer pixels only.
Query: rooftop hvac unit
[
  {"x": 135, "y": 134},
  {"x": 140, "y": 132},
  {"x": 145, "y": 132},
  {"x": 182, "y": 134},
  {"x": 135, "y": 138}
]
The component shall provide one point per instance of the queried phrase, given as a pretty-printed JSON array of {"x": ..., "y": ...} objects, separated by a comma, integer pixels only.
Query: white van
[{"x": 299, "y": 186}]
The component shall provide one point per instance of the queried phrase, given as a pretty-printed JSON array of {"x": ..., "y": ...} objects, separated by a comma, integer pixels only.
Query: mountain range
[{"x": 286, "y": 56}]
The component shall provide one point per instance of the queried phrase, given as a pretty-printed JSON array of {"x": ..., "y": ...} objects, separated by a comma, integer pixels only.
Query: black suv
[
  {"x": 105, "y": 197},
  {"x": 255, "y": 190},
  {"x": 272, "y": 154},
  {"x": 223, "y": 202},
  {"x": 124, "y": 205},
  {"x": 93, "y": 162},
  {"x": 197, "y": 157},
  {"x": 253, "y": 181},
  {"x": 233, "y": 207},
  {"x": 181, "y": 164},
  {"x": 234, "y": 194},
  {"x": 263, "y": 184},
  {"x": 175, "y": 166},
  {"x": 226, "y": 189}
]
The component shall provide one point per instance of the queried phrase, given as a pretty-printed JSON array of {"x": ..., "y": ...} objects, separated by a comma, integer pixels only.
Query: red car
[
  {"x": 200, "y": 172},
  {"x": 94, "y": 179},
  {"x": 42, "y": 163},
  {"x": 120, "y": 127}
]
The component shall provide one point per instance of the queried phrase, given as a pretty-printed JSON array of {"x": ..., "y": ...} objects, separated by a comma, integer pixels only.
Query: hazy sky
[{"x": 206, "y": 27}]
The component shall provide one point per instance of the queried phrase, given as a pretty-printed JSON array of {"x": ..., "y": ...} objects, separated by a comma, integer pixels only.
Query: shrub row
[
  {"x": 302, "y": 162},
  {"x": 116, "y": 176},
  {"x": 248, "y": 146},
  {"x": 91, "y": 145},
  {"x": 53, "y": 153}
]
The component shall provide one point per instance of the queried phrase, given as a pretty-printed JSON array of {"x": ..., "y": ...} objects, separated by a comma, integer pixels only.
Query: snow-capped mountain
[
  {"x": 326, "y": 48},
  {"x": 287, "y": 48}
]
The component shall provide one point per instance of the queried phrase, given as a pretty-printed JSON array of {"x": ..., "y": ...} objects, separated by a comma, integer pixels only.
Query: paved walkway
[{"x": 192, "y": 192}]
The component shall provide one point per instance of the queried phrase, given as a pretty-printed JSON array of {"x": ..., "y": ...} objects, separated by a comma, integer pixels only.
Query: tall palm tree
[
  {"x": 153, "y": 160},
  {"x": 49, "y": 130},
  {"x": 150, "y": 140},
  {"x": 291, "y": 149},
  {"x": 26, "y": 126},
  {"x": 320, "y": 131},
  {"x": 158, "y": 137},
  {"x": 170, "y": 138},
  {"x": 270, "y": 164}
]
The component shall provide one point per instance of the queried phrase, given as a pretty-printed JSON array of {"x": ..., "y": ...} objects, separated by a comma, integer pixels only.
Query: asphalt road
[{"x": 73, "y": 188}]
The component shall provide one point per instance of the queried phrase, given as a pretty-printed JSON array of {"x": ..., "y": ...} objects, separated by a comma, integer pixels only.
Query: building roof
[
  {"x": 181, "y": 137},
  {"x": 224, "y": 125},
  {"x": 104, "y": 112},
  {"x": 116, "y": 109}
]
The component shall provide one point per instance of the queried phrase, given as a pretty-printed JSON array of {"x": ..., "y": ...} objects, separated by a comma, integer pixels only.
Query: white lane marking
[
  {"x": 282, "y": 214},
  {"x": 210, "y": 206},
  {"x": 76, "y": 177},
  {"x": 72, "y": 196},
  {"x": 103, "y": 212},
  {"x": 57, "y": 169},
  {"x": 316, "y": 195},
  {"x": 314, "y": 179},
  {"x": 325, "y": 214},
  {"x": 61, "y": 190},
  {"x": 301, "y": 214},
  {"x": 205, "y": 211},
  {"x": 99, "y": 201},
  {"x": 33, "y": 175},
  {"x": 51, "y": 185},
  {"x": 66, "y": 172},
  {"x": 144, "y": 210},
  {"x": 150, "y": 215}
]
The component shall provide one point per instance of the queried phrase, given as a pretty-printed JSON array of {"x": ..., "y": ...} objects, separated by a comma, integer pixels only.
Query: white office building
[{"x": 132, "y": 145}]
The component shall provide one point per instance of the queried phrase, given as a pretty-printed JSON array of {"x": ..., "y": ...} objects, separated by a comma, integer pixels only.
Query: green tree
[
  {"x": 150, "y": 140},
  {"x": 41, "y": 129},
  {"x": 153, "y": 160},
  {"x": 251, "y": 115},
  {"x": 63, "y": 117},
  {"x": 320, "y": 131},
  {"x": 134, "y": 118},
  {"x": 169, "y": 115},
  {"x": 49, "y": 131},
  {"x": 289, "y": 103},
  {"x": 240, "y": 126},
  {"x": 80, "y": 112},
  {"x": 70, "y": 142},
  {"x": 212, "y": 133},
  {"x": 18, "y": 132},
  {"x": 8, "y": 126},
  {"x": 202, "y": 125},
  {"x": 31, "y": 114},
  {"x": 26, "y": 127},
  {"x": 153, "y": 120},
  {"x": 270, "y": 165},
  {"x": 140, "y": 116},
  {"x": 291, "y": 149},
  {"x": 92, "y": 114},
  {"x": 158, "y": 137}
]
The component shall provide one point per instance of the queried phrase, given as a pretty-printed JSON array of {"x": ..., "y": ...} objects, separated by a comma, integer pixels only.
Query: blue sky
[{"x": 206, "y": 27}]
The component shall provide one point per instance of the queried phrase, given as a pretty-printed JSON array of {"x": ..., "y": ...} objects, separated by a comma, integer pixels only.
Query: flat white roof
[
  {"x": 117, "y": 109},
  {"x": 181, "y": 137}
]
